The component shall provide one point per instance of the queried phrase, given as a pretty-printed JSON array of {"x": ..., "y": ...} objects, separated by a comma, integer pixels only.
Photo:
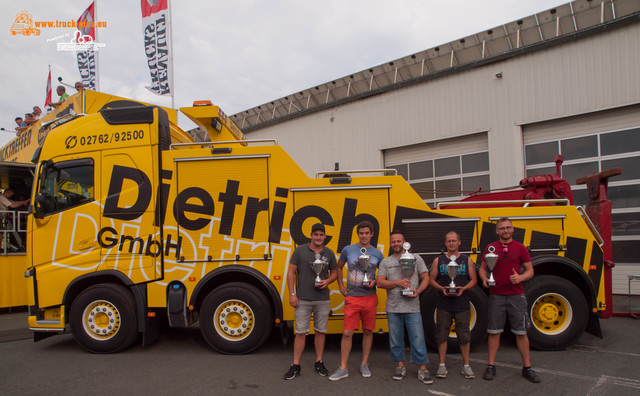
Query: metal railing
[
  {"x": 393, "y": 172},
  {"x": 525, "y": 202},
  {"x": 13, "y": 231},
  {"x": 592, "y": 227},
  {"x": 211, "y": 144}
]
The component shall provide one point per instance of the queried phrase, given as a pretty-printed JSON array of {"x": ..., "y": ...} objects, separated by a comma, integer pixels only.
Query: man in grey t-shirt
[
  {"x": 404, "y": 311},
  {"x": 310, "y": 298}
]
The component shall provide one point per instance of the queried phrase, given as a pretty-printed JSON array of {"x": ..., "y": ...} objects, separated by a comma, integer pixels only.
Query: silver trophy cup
[
  {"x": 407, "y": 267},
  {"x": 452, "y": 271},
  {"x": 491, "y": 258},
  {"x": 363, "y": 262},
  {"x": 318, "y": 266}
]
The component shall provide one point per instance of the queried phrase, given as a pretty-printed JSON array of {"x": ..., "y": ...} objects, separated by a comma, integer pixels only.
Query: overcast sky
[{"x": 237, "y": 53}]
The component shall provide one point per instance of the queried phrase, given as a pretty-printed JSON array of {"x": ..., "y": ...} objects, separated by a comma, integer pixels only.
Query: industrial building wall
[
  {"x": 589, "y": 87},
  {"x": 583, "y": 76}
]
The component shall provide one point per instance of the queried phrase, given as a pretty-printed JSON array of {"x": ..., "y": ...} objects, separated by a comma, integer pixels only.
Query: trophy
[
  {"x": 491, "y": 258},
  {"x": 452, "y": 271},
  {"x": 363, "y": 261},
  {"x": 407, "y": 267},
  {"x": 318, "y": 266}
]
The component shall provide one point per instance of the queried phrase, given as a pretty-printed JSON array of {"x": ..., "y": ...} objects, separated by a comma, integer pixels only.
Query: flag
[
  {"x": 47, "y": 98},
  {"x": 87, "y": 59},
  {"x": 155, "y": 28}
]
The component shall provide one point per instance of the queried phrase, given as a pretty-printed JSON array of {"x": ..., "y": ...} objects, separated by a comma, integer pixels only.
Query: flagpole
[
  {"x": 171, "y": 49},
  {"x": 97, "y": 52}
]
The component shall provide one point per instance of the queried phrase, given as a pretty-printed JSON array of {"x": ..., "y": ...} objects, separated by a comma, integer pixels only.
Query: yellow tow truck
[{"x": 132, "y": 222}]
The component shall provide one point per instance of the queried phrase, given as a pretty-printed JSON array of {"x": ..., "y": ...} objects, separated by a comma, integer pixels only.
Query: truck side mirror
[{"x": 38, "y": 207}]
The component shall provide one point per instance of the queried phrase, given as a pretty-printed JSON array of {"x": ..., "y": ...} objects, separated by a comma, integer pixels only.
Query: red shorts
[{"x": 360, "y": 308}]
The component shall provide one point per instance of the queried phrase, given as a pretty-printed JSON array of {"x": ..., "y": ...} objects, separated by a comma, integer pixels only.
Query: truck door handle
[{"x": 86, "y": 244}]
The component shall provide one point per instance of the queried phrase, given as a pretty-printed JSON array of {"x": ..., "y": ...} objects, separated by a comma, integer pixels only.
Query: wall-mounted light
[{"x": 499, "y": 75}]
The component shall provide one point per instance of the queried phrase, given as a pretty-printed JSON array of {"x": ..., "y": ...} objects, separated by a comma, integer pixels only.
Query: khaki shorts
[
  {"x": 320, "y": 310},
  {"x": 443, "y": 325}
]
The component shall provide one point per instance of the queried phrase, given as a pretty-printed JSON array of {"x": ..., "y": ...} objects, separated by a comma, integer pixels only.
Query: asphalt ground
[{"x": 181, "y": 361}]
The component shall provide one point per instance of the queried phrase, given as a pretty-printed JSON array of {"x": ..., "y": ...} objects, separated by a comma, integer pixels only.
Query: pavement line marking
[
  {"x": 597, "y": 385},
  {"x": 628, "y": 382},
  {"x": 440, "y": 393},
  {"x": 590, "y": 349},
  {"x": 605, "y": 379}
]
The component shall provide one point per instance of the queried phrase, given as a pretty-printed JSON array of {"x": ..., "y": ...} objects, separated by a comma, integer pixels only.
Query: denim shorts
[
  {"x": 513, "y": 305},
  {"x": 320, "y": 311}
]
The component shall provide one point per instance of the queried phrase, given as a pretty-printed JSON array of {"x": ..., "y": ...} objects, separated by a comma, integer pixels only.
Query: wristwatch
[{"x": 292, "y": 294}]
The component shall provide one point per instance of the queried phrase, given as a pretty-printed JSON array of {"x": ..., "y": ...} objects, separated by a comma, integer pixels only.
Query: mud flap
[
  {"x": 286, "y": 331},
  {"x": 593, "y": 326}
]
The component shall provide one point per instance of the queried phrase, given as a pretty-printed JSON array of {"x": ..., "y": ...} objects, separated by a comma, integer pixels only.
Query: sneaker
[
  {"x": 425, "y": 377},
  {"x": 489, "y": 373},
  {"x": 399, "y": 373},
  {"x": 467, "y": 372},
  {"x": 442, "y": 372},
  {"x": 293, "y": 372},
  {"x": 364, "y": 370},
  {"x": 321, "y": 369},
  {"x": 531, "y": 375},
  {"x": 339, "y": 374}
]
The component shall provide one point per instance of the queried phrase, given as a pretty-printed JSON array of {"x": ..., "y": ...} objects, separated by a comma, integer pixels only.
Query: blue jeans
[{"x": 413, "y": 323}]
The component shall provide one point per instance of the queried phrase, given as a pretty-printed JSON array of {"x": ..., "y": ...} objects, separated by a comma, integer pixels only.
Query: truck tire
[
  {"x": 477, "y": 324},
  {"x": 103, "y": 318},
  {"x": 235, "y": 318},
  {"x": 558, "y": 312}
]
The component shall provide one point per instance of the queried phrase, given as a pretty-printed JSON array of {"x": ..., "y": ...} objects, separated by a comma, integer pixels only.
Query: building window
[
  {"x": 421, "y": 170},
  {"x": 449, "y": 178},
  {"x": 402, "y": 170},
  {"x": 541, "y": 152}
]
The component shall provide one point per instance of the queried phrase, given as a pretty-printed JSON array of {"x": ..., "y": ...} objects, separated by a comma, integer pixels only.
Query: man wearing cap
[{"x": 308, "y": 298}]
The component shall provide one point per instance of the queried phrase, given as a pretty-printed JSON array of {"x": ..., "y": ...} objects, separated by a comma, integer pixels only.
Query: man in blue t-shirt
[{"x": 361, "y": 300}]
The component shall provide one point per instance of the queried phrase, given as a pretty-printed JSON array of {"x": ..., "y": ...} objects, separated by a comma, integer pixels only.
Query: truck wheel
[
  {"x": 558, "y": 312},
  {"x": 103, "y": 319},
  {"x": 477, "y": 321},
  {"x": 235, "y": 318}
]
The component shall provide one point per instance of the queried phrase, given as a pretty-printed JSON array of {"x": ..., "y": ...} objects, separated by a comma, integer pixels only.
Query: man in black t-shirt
[{"x": 453, "y": 305}]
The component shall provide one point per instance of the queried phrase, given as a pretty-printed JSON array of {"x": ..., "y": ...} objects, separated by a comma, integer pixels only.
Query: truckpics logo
[{"x": 23, "y": 24}]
